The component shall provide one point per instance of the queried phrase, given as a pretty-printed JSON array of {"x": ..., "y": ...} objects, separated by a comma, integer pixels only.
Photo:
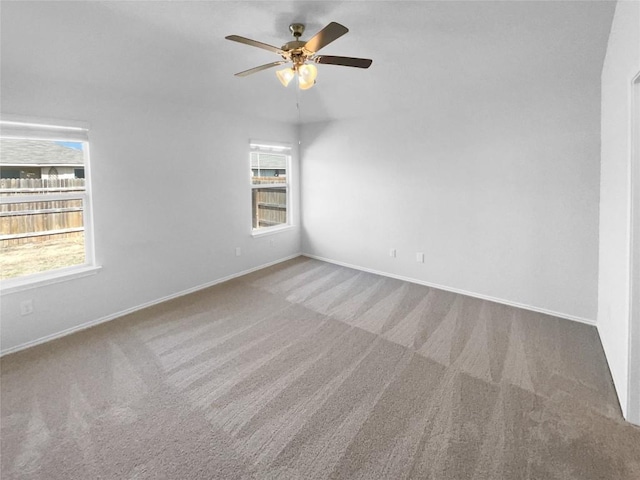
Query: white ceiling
[{"x": 423, "y": 52}]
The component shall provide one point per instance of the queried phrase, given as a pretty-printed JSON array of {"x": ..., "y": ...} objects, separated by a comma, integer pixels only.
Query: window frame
[
  {"x": 266, "y": 147},
  {"x": 31, "y": 128}
]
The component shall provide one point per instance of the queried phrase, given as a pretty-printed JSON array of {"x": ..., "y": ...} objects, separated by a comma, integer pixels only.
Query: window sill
[
  {"x": 37, "y": 280},
  {"x": 270, "y": 230}
]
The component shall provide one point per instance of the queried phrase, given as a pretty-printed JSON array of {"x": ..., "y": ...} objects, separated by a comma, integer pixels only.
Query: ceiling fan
[{"x": 303, "y": 55}]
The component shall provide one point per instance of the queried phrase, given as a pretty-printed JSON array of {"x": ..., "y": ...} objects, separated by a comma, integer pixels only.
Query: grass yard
[{"x": 19, "y": 260}]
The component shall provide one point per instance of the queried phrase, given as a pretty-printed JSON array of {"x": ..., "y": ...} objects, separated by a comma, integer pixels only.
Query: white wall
[
  {"x": 171, "y": 201},
  {"x": 497, "y": 183},
  {"x": 622, "y": 64}
]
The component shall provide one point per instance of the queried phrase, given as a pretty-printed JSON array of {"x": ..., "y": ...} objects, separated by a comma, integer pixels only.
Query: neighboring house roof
[
  {"x": 37, "y": 153},
  {"x": 268, "y": 161}
]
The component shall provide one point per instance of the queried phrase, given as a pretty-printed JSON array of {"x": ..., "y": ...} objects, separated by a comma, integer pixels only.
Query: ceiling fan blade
[
  {"x": 344, "y": 61},
  {"x": 324, "y": 37},
  {"x": 260, "y": 68},
  {"x": 254, "y": 43}
]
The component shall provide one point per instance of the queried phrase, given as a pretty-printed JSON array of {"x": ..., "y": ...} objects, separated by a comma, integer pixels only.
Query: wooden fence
[
  {"x": 22, "y": 186},
  {"x": 29, "y": 222},
  {"x": 269, "y": 205}
]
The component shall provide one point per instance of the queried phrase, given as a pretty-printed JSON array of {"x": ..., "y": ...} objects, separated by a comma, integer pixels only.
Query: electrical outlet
[
  {"x": 392, "y": 253},
  {"x": 26, "y": 307},
  {"x": 238, "y": 251},
  {"x": 420, "y": 257}
]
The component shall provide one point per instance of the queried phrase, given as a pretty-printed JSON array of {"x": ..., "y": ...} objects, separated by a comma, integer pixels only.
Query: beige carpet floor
[{"x": 308, "y": 370}]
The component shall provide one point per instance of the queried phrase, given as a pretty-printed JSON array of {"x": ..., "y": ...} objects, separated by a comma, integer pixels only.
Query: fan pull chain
[{"x": 298, "y": 105}]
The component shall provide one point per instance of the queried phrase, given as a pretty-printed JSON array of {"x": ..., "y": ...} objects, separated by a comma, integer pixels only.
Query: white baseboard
[
  {"x": 457, "y": 290},
  {"x": 122, "y": 313}
]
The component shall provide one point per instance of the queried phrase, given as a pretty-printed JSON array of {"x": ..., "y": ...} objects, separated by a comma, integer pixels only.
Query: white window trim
[
  {"x": 281, "y": 148},
  {"x": 37, "y": 280},
  {"x": 271, "y": 230},
  {"x": 48, "y": 129}
]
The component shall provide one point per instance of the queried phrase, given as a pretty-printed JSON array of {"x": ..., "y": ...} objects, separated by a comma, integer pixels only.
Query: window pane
[
  {"x": 40, "y": 166},
  {"x": 269, "y": 207},
  {"x": 268, "y": 168},
  {"x": 40, "y": 236}
]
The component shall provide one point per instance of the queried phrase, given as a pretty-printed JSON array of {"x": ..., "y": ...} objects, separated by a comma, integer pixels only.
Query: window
[
  {"x": 45, "y": 206},
  {"x": 270, "y": 169}
]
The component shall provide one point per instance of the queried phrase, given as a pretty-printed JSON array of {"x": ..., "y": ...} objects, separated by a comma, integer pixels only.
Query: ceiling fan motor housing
[{"x": 294, "y": 50}]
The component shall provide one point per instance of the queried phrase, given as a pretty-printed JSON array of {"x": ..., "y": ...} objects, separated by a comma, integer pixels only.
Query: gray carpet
[{"x": 308, "y": 370}]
